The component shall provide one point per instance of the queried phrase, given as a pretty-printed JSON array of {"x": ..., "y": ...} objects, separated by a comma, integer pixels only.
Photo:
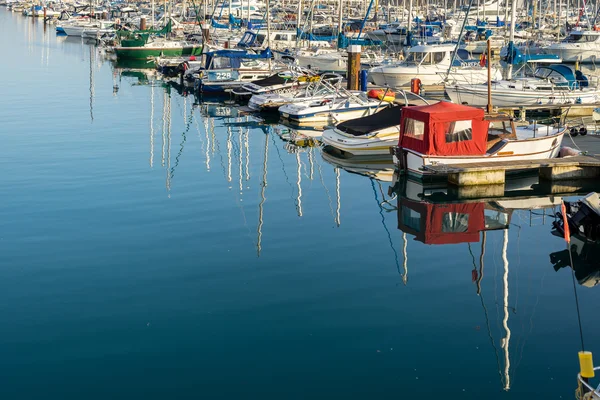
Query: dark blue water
[{"x": 150, "y": 251}]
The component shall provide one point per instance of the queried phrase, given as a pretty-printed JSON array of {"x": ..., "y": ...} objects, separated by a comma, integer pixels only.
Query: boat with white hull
[
  {"x": 579, "y": 46},
  {"x": 371, "y": 135},
  {"x": 447, "y": 134},
  {"x": 553, "y": 84},
  {"x": 346, "y": 105},
  {"x": 430, "y": 64}
]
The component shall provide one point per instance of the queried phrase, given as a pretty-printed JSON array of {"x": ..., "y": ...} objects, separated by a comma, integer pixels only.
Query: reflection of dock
[{"x": 521, "y": 189}]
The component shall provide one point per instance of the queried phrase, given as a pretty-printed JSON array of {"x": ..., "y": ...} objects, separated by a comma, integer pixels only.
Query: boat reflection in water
[
  {"x": 435, "y": 216},
  {"x": 379, "y": 167},
  {"x": 586, "y": 259}
]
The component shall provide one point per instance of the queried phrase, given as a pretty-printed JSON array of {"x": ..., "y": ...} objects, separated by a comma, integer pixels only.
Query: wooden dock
[{"x": 494, "y": 172}]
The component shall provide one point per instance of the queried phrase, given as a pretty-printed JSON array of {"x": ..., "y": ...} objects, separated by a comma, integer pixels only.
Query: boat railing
[{"x": 586, "y": 391}]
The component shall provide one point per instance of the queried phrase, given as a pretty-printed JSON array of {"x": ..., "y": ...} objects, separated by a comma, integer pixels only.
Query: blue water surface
[{"x": 150, "y": 251}]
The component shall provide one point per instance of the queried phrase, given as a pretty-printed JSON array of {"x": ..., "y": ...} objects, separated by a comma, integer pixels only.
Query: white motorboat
[
  {"x": 447, "y": 133},
  {"x": 430, "y": 64},
  {"x": 379, "y": 167},
  {"x": 552, "y": 84},
  {"x": 579, "y": 46},
  {"x": 325, "y": 87},
  {"x": 370, "y": 135},
  {"x": 78, "y": 27},
  {"x": 342, "y": 107}
]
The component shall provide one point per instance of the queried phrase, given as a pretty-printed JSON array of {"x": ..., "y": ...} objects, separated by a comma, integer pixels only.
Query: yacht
[
  {"x": 432, "y": 65},
  {"x": 579, "y": 46},
  {"x": 552, "y": 84}
]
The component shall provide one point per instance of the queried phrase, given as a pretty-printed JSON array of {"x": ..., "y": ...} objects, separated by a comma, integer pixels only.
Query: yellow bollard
[{"x": 586, "y": 364}]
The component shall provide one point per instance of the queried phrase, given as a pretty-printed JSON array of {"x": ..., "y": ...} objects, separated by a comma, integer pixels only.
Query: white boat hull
[
  {"x": 398, "y": 77},
  {"x": 475, "y": 95},
  {"x": 378, "y": 144},
  {"x": 540, "y": 148},
  {"x": 572, "y": 55},
  {"x": 326, "y": 115}
]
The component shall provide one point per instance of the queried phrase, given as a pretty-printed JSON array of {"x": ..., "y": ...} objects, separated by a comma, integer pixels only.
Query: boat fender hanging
[
  {"x": 583, "y": 131},
  {"x": 586, "y": 364},
  {"x": 415, "y": 85},
  {"x": 573, "y": 132}
]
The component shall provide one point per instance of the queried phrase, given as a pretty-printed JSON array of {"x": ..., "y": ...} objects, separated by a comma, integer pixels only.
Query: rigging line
[
  {"x": 181, "y": 145},
  {"x": 287, "y": 179},
  {"x": 576, "y": 296},
  {"x": 325, "y": 187},
  {"x": 489, "y": 329},
  {"x": 481, "y": 257},
  {"x": 472, "y": 255},
  {"x": 530, "y": 324},
  {"x": 389, "y": 235}
]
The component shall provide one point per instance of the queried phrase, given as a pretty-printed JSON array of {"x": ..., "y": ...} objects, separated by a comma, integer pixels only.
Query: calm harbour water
[{"x": 150, "y": 251}]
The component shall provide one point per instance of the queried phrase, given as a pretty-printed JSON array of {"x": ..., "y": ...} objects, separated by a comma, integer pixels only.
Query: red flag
[{"x": 563, "y": 209}]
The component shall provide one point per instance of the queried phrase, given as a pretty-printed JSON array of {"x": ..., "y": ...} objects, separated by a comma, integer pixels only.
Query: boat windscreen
[{"x": 383, "y": 119}]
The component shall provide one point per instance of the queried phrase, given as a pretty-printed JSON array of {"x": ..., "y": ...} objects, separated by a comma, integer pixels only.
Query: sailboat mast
[
  {"x": 511, "y": 40},
  {"x": 506, "y": 340},
  {"x": 340, "y": 12},
  {"x": 269, "y": 29}
]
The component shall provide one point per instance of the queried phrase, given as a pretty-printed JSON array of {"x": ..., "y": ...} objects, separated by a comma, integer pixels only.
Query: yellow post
[{"x": 586, "y": 364}]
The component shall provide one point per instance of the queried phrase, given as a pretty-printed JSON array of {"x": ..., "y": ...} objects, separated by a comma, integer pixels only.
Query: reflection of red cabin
[
  {"x": 441, "y": 223},
  {"x": 444, "y": 129}
]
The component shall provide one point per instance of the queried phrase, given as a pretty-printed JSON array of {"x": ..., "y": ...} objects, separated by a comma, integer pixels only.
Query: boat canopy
[
  {"x": 556, "y": 71},
  {"x": 385, "y": 118},
  {"x": 441, "y": 223},
  {"x": 233, "y": 58},
  {"x": 444, "y": 129}
]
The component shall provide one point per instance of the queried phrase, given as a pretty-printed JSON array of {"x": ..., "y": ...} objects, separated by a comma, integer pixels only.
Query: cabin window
[
  {"x": 293, "y": 37},
  {"x": 459, "y": 131},
  {"x": 411, "y": 219},
  {"x": 453, "y": 222},
  {"x": 260, "y": 39},
  {"x": 414, "y": 58},
  {"x": 414, "y": 129},
  {"x": 581, "y": 38},
  {"x": 280, "y": 36},
  {"x": 438, "y": 57},
  {"x": 500, "y": 128}
]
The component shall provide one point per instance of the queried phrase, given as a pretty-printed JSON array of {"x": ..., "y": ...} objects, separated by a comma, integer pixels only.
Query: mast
[
  {"x": 511, "y": 40},
  {"x": 340, "y": 11},
  {"x": 506, "y": 339},
  {"x": 404, "y": 259},
  {"x": 299, "y": 182},
  {"x": 269, "y": 29},
  {"x": 152, "y": 126},
  {"x": 247, "y": 12},
  {"x": 262, "y": 197},
  {"x": 337, "y": 193}
]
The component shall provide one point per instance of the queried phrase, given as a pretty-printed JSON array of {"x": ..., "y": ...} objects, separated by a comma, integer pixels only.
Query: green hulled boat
[
  {"x": 137, "y": 45},
  {"x": 157, "y": 48}
]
